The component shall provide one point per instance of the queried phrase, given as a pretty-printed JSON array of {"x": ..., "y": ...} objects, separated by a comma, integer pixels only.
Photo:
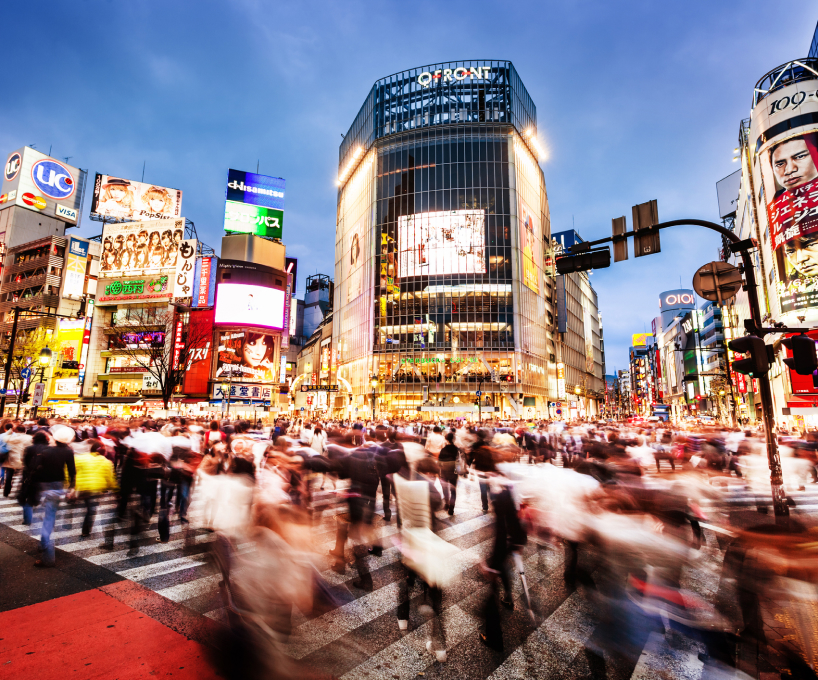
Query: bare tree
[
  {"x": 27, "y": 348},
  {"x": 163, "y": 342}
]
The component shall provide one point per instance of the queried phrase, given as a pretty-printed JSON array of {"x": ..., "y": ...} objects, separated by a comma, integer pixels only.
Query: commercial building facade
[{"x": 440, "y": 288}]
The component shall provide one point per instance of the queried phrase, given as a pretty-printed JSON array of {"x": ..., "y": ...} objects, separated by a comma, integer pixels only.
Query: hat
[{"x": 63, "y": 434}]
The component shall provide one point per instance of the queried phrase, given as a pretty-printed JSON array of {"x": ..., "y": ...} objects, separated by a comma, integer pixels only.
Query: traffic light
[
  {"x": 804, "y": 360},
  {"x": 645, "y": 215},
  {"x": 598, "y": 258},
  {"x": 756, "y": 361}
]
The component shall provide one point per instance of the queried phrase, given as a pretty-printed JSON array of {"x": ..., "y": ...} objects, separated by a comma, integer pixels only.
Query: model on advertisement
[{"x": 246, "y": 355}]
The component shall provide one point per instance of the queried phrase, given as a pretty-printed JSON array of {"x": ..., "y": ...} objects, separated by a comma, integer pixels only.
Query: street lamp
[
  {"x": 43, "y": 360},
  {"x": 226, "y": 391},
  {"x": 374, "y": 382},
  {"x": 94, "y": 397}
]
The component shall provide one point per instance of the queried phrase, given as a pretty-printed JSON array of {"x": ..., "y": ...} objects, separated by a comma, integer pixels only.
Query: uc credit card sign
[{"x": 253, "y": 189}]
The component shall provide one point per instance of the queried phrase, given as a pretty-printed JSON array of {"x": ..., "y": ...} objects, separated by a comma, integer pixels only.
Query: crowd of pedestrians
[{"x": 624, "y": 507}]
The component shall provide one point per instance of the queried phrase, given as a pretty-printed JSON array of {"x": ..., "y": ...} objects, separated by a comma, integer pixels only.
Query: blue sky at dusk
[{"x": 635, "y": 100}]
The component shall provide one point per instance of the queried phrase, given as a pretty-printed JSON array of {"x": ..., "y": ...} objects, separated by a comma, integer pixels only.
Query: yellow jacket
[{"x": 95, "y": 473}]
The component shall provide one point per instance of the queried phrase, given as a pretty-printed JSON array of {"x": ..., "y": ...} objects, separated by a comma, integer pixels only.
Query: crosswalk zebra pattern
[{"x": 360, "y": 637}]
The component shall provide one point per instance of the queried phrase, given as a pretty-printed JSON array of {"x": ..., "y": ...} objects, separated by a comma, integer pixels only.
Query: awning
[{"x": 104, "y": 401}]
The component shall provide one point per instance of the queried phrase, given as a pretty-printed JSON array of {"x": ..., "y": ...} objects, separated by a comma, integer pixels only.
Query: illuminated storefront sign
[
  {"x": 439, "y": 360},
  {"x": 261, "y": 392},
  {"x": 137, "y": 289},
  {"x": 561, "y": 381},
  {"x": 253, "y": 219},
  {"x": 86, "y": 341},
  {"x": 253, "y": 189},
  {"x": 448, "y": 75},
  {"x": 75, "y": 265}
]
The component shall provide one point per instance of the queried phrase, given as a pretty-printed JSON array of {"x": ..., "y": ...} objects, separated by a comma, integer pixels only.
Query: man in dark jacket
[
  {"x": 482, "y": 459},
  {"x": 391, "y": 458},
  {"x": 49, "y": 466}
]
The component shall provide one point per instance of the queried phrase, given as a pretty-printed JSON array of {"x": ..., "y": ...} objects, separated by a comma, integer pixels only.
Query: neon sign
[{"x": 447, "y": 75}]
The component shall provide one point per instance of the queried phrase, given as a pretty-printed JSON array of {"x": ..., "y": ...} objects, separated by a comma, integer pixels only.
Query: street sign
[
  {"x": 3, "y": 392},
  {"x": 479, "y": 393},
  {"x": 25, "y": 373},
  {"x": 319, "y": 388},
  {"x": 717, "y": 281},
  {"x": 552, "y": 404},
  {"x": 559, "y": 411},
  {"x": 39, "y": 392},
  {"x": 302, "y": 408}
]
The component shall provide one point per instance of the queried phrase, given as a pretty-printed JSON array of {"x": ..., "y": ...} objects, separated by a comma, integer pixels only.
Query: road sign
[
  {"x": 25, "y": 373},
  {"x": 39, "y": 392},
  {"x": 559, "y": 404},
  {"x": 302, "y": 408},
  {"x": 717, "y": 281},
  {"x": 559, "y": 411},
  {"x": 479, "y": 393},
  {"x": 3, "y": 392},
  {"x": 552, "y": 404}
]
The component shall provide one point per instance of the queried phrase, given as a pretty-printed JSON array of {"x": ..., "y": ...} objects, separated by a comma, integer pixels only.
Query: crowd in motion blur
[{"x": 660, "y": 529}]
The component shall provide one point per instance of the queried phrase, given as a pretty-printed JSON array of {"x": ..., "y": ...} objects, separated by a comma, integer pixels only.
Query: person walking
[
  {"x": 49, "y": 465},
  {"x": 95, "y": 476},
  {"x": 448, "y": 472},
  {"x": 16, "y": 442}
]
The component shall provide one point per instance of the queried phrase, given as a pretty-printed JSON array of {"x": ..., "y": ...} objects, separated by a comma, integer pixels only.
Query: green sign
[
  {"x": 253, "y": 219},
  {"x": 120, "y": 287}
]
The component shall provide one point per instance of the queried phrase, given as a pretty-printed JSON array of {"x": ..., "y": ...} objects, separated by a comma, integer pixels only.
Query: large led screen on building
[
  {"x": 42, "y": 184},
  {"x": 126, "y": 199},
  {"x": 246, "y": 356},
  {"x": 443, "y": 242},
  {"x": 136, "y": 246},
  {"x": 254, "y": 189},
  {"x": 784, "y": 140},
  {"x": 253, "y": 219},
  {"x": 242, "y": 304}
]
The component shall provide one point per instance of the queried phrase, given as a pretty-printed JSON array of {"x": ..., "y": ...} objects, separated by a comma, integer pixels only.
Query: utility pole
[{"x": 9, "y": 359}]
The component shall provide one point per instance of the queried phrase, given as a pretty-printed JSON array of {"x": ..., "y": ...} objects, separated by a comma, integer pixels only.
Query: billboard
[
  {"x": 254, "y": 189},
  {"x": 246, "y": 356},
  {"x": 120, "y": 291},
  {"x": 531, "y": 245},
  {"x": 197, "y": 371},
  {"x": 76, "y": 262},
  {"x": 204, "y": 282},
  {"x": 243, "y": 304},
  {"x": 784, "y": 130},
  {"x": 253, "y": 219},
  {"x": 354, "y": 260},
  {"x": 727, "y": 191},
  {"x": 125, "y": 199},
  {"x": 640, "y": 339},
  {"x": 42, "y": 184},
  {"x": 442, "y": 242},
  {"x": 137, "y": 247},
  {"x": 184, "y": 275}
]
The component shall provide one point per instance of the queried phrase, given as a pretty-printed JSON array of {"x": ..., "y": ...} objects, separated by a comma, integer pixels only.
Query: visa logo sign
[{"x": 67, "y": 213}]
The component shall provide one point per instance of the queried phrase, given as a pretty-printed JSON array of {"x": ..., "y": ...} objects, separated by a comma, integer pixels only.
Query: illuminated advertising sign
[
  {"x": 640, "y": 339},
  {"x": 561, "y": 381},
  {"x": 184, "y": 276},
  {"x": 204, "y": 282},
  {"x": 246, "y": 356},
  {"x": 784, "y": 144},
  {"x": 86, "y": 341},
  {"x": 140, "y": 247},
  {"x": 253, "y": 189},
  {"x": 531, "y": 245},
  {"x": 803, "y": 384},
  {"x": 134, "y": 290},
  {"x": 253, "y": 219},
  {"x": 65, "y": 387},
  {"x": 43, "y": 184},
  {"x": 444, "y": 242},
  {"x": 251, "y": 392},
  {"x": 451, "y": 75},
  {"x": 76, "y": 262},
  {"x": 126, "y": 199},
  {"x": 242, "y": 304}
]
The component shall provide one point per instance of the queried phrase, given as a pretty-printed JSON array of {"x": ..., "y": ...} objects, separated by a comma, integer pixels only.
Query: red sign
[
  {"x": 177, "y": 343},
  {"x": 34, "y": 201},
  {"x": 204, "y": 281},
  {"x": 741, "y": 382},
  {"x": 197, "y": 372},
  {"x": 802, "y": 384}
]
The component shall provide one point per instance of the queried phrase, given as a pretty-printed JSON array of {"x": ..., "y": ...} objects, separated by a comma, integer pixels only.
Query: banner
[
  {"x": 137, "y": 247},
  {"x": 76, "y": 262},
  {"x": 531, "y": 245},
  {"x": 185, "y": 265},
  {"x": 126, "y": 199}
]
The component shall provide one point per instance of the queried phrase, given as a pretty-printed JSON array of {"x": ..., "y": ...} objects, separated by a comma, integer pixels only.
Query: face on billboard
[
  {"x": 355, "y": 260},
  {"x": 530, "y": 244},
  {"x": 123, "y": 198},
  {"x": 246, "y": 356},
  {"x": 247, "y": 305},
  {"x": 445, "y": 242},
  {"x": 136, "y": 246}
]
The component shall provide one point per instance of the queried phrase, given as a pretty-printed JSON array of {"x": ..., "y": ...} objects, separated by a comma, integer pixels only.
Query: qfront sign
[{"x": 448, "y": 75}]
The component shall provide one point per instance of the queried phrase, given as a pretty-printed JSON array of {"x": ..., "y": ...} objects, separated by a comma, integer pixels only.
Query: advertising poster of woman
[
  {"x": 246, "y": 356},
  {"x": 140, "y": 245},
  {"x": 355, "y": 259},
  {"x": 530, "y": 245}
]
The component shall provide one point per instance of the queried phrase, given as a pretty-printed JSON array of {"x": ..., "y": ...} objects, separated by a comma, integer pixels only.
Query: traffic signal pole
[{"x": 754, "y": 327}]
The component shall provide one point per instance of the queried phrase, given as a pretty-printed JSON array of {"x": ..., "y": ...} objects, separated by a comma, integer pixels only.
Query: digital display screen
[
  {"x": 243, "y": 304},
  {"x": 253, "y": 189},
  {"x": 444, "y": 242},
  {"x": 253, "y": 219}
]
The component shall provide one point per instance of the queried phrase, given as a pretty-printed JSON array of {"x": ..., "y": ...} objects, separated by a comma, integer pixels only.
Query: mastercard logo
[
  {"x": 34, "y": 201},
  {"x": 3, "y": 198}
]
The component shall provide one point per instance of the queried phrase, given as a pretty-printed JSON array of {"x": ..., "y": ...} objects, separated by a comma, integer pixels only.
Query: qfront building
[{"x": 441, "y": 295}]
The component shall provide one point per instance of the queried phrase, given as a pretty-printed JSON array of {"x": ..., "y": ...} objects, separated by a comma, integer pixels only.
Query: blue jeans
[
  {"x": 28, "y": 514},
  {"x": 50, "y": 495}
]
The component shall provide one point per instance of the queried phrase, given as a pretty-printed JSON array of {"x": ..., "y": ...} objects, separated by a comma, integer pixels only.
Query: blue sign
[
  {"x": 253, "y": 189},
  {"x": 2, "y": 392},
  {"x": 53, "y": 179},
  {"x": 25, "y": 373},
  {"x": 77, "y": 247},
  {"x": 302, "y": 408},
  {"x": 479, "y": 393},
  {"x": 559, "y": 411}
]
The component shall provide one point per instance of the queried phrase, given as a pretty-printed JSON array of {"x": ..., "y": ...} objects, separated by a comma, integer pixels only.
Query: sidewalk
[{"x": 83, "y": 621}]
